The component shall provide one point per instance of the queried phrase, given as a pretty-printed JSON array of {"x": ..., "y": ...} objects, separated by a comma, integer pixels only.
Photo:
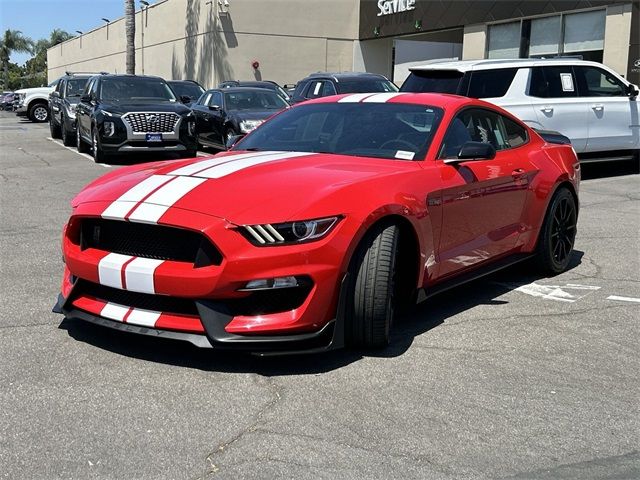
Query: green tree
[{"x": 12, "y": 42}]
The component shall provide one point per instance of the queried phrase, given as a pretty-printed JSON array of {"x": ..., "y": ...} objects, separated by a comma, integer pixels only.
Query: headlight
[
  {"x": 288, "y": 233},
  {"x": 109, "y": 129},
  {"x": 247, "y": 125}
]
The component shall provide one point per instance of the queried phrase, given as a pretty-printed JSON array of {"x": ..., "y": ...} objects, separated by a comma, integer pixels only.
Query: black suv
[
  {"x": 132, "y": 113},
  {"x": 325, "y": 84},
  {"x": 62, "y": 106}
]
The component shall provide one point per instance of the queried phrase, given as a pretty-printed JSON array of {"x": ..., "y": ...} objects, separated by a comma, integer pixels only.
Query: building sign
[{"x": 389, "y": 7}]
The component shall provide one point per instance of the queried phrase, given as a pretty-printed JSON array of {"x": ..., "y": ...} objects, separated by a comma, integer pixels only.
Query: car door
[
  {"x": 612, "y": 117},
  {"x": 217, "y": 117},
  {"x": 201, "y": 112},
  {"x": 554, "y": 97},
  {"x": 83, "y": 110},
  {"x": 482, "y": 199},
  {"x": 56, "y": 101}
]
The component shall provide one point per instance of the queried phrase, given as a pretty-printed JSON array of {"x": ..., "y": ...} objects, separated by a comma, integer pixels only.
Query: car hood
[
  {"x": 35, "y": 90},
  {"x": 122, "y": 108},
  {"x": 241, "y": 187}
]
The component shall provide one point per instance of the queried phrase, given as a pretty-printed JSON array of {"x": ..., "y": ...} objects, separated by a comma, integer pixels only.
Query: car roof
[
  {"x": 128, "y": 75},
  {"x": 192, "y": 82},
  {"x": 337, "y": 76},
  {"x": 489, "y": 64},
  {"x": 240, "y": 90}
]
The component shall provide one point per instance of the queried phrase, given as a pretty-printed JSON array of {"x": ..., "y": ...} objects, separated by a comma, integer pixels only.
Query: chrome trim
[{"x": 142, "y": 136}]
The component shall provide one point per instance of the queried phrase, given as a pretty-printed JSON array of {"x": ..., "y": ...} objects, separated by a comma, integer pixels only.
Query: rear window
[
  {"x": 365, "y": 86},
  {"x": 491, "y": 83},
  {"x": 433, "y": 81}
]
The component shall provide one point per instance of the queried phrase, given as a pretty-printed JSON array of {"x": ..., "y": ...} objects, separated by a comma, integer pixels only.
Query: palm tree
[
  {"x": 13, "y": 41},
  {"x": 130, "y": 29},
  {"x": 58, "y": 36}
]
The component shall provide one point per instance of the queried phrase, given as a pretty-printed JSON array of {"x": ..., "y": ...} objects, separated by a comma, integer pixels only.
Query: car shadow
[{"x": 419, "y": 320}]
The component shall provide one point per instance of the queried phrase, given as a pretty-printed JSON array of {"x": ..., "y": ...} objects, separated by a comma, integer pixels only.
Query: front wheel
[
  {"x": 371, "y": 296},
  {"x": 229, "y": 134},
  {"x": 558, "y": 233},
  {"x": 98, "y": 154},
  {"x": 38, "y": 112}
]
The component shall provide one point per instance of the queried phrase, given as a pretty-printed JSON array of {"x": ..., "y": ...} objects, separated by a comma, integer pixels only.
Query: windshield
[
  {"x": 75, "y": 87},
  {"x": 254, "y": 100},
  {"x": 135, "y": 89},
  {"x": 433, "y": 81},
  {"x": 188, "y": 89},
  {"x": 382, "y": 130},
  {"x": 365, "y": 86}
]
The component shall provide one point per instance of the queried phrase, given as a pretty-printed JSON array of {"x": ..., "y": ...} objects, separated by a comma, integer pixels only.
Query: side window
[
  {"x": 216, "y": 99},
  {"x": 59, "y": 87},
  {"x": 479, "y": 125},
  {"x": 491, "y": 83},
  {"x": 315, "y": 89},
  {"x": 328, "y": 89},
  {"x": 89, "y": 87},
  {"x": 204, "y": 99},
  {"x": 94, "y": 88},
  {"x": 553, "y": 82},
  {"x": 595, "y": 82}
]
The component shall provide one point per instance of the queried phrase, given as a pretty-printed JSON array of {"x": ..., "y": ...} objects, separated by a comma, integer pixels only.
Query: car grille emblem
[{"x": 152, "y": 119}]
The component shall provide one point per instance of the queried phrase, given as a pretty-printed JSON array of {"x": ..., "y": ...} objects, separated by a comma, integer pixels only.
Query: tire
[
  {"x": 80, "y": 144},
  {"x": 54, "y": 128},
  {"x": 558, "y": 233},
  {"x": 371, "y": 297},
  {"x": 67, "y": 137},
  {"x": 38, "y": 112},
  {"x": 96, "y": 149},
  {"x": 230, "y": 132}
]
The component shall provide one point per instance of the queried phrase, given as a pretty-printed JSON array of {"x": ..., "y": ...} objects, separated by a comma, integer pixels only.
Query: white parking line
[
  {"x": 72, "y": 149},
  {"x": 623, "y": 299}
]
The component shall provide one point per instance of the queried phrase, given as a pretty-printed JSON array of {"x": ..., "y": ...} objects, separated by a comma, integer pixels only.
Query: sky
[{"x": 37, "y": 18}]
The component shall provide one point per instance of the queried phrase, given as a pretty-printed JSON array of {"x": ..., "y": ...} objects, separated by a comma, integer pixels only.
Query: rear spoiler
[{"x": 550, "y": 136}]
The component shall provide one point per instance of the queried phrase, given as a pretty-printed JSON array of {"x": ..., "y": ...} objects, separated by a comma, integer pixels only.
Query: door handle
[
  {"x": 598, "y": 107},
  {"x": 518, "y": 173},
  {"x": 547, "y": 109}
]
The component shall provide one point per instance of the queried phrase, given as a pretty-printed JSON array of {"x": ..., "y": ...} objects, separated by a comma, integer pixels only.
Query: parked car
[
  {"x": 131, "y": 113},
  {"x": 6, "y": 100},
  {"x": 268, "y": 84},
  {"x": 310, "y": 232},
  {"x": 586, "y": 101},
  {"x": 224, "y": 113},
  {"x": 188, "y": 91},
  {"x": 33, "y": 103},
  {"x": 62, "y": 106},
  {"x": 323, "y": 84}
]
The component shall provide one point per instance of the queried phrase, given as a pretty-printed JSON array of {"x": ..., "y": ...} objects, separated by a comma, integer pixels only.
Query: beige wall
[
  {"x": 474, "y": 42},
  {"x": 617, "y": 34},
  {"x": 194, "y": 39}
]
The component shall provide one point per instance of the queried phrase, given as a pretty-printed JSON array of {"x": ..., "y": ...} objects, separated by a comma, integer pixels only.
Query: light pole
[
  {"x": 107, "y": 21},
  {"x": 80, "y": 33},
  {"x": 145, "y": 6}
]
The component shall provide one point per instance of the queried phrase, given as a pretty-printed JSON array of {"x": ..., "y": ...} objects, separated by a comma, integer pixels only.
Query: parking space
[{"x": 513, "y": 376}]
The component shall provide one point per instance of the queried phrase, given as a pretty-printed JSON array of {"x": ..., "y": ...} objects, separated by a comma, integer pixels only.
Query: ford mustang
[{"x": 311, "y": 231}]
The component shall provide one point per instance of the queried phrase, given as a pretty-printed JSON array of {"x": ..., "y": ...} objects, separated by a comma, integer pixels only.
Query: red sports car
[{"x": 309, "y": 232}]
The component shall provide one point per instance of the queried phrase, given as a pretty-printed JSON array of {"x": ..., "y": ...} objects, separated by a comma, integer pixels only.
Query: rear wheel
[
  {"x": 38, "y": 112},
  {"x": 372, "y": 287},
  {"x": 558, "y": 233}
]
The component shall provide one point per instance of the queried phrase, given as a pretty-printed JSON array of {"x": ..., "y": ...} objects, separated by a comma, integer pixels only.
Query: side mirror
[
  {"x": 233, "y": 140},
  {"x": 214, "y": 107},
  {"x": 85, "y": 98},
  {"x": 54, "y": 95},
  {"x": 185, "y": 98},
  {"x": 474, "y": 151},
  {"x": 632, "y": 91}
]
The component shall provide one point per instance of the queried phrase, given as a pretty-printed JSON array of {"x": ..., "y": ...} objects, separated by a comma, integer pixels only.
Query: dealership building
[{"x": 284, "y": 40}]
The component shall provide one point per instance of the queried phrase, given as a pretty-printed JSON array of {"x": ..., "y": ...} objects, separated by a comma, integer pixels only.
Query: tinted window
[
  {"x": 366, "y": 86},
  {"x": 75, "y": 87},
  {"x": 553, "y": 82},
  {"x": 491, "y": 83},
  {"x": 189, "y": 89},
  {"x": 254, "y": 100},
  {"x": 437, "y": 81},
  {"x": 595, "y": 82},
  {"x": 479, "y": 125},
  {"x": 383, "y": 130},
  {"x": 135, "y": 89},
  {"x": 314, "y": 90},
  {"x": 215, "y": 99}
]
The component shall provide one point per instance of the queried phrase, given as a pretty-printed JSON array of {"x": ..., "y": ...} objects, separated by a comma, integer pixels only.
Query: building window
[{"x": 565, "y": 34}]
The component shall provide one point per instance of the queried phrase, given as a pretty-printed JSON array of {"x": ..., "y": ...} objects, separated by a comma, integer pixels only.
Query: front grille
[
  {"x": 148, "y": 241},
  {"x": 151, "y": 122},
  {"x": 156, "y": 303},
  {"x": 265, "y": 302}
]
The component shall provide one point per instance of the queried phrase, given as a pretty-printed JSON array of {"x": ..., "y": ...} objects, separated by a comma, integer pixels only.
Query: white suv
[{"x": 586, "y": 101}]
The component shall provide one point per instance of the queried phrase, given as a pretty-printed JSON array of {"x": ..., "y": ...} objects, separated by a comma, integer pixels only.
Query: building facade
[{"x": 216, "y": 40}]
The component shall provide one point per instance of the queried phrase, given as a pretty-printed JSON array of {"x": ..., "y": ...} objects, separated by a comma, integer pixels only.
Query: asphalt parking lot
[{"x": 514, "y": 376}]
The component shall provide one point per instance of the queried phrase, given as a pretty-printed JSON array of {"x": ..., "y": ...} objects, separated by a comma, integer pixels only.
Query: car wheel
[
  {"x": 371, "y": 290},
  {"x": 227, "y": 136},
  {"x": 80, "y": 145},
  {"x": 38, "y": 112},
  {"x": 54, "y": 128},
  {"x": 96, "y": 148},
  {"x": 558, "y": 233},
  {"x": 67, "y": 138}
]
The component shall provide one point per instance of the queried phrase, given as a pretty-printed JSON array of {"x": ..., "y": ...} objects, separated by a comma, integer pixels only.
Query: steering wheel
[{"x": 399, "y": 144}]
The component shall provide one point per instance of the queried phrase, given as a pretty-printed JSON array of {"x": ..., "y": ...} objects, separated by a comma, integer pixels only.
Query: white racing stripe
[
  {"x": 144, "y": 318},
  {"x": 161, "y": 200},
  {"x": 212, "y": 162},
  {"x": 114, "y": 311},
  {"x": 356, "y": 97},
  {"x": 139, "y": 274},
  {"x": 110, "y": 268},
  {"x": 123, "y": 204},
  {"x": 232, "y": 167},
  {"x": 381, "y": 97}
]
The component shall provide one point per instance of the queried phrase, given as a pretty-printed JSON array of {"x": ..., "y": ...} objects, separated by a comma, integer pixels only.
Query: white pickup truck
[{"x": 34, "y": 102}]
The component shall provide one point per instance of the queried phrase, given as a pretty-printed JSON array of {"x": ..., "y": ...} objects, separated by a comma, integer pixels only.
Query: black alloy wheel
[
  {"x": 98, "y": 153},
  {"x": 80, "y": 145},
  {"x": 558, "y": 233},
  {"x": 54, "y": 128},
  {"x": 67, "y": 137}
]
